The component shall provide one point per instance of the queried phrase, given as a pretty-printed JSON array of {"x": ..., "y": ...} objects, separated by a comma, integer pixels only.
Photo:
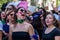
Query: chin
[{"x": 48, "y": 24}]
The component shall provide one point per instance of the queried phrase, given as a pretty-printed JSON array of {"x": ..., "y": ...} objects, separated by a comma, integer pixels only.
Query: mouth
[
  {"x": 3, "y": 16},
  {"x": 47, "y": 22},
  {"x": 22, "y": 15}
]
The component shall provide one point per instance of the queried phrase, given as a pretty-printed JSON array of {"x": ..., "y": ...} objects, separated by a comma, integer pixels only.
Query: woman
[
  {"x": 3, "y": 15},
  {"x": 51, "y": 32},
  {"x": 21, "y": 30},
  {"x": 9, "y": 20}
]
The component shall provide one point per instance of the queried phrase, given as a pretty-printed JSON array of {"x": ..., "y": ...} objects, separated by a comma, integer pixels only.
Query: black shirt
[{"x": 51, "y": 35}]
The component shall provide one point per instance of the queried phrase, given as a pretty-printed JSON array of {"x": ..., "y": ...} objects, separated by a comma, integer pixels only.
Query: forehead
[
  {"x": 49, "y": 15},
  {"x": 2, "y": 12}
]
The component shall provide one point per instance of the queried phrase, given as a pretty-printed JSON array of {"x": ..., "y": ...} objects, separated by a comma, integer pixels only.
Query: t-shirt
[
  {"x": 1, "y": 26},
  {"x": 6, "y": 28},
  {"x": 51, "y": 35}
]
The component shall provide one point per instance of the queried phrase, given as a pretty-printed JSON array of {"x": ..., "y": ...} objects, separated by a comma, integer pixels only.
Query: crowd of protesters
[{"x": 21, "y": 24}]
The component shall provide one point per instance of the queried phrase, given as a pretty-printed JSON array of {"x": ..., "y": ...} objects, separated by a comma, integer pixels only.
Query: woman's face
[
  {"x": 20, "y": 14},
  {"x": 11, "y": 16},
  {"x": 3, "y": 15},
  {"x": 49, "y": 20}
]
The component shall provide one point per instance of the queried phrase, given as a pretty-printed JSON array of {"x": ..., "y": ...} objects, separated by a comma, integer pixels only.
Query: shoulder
[
  {"x": 57, "y": 32},
  {"x": 56, "y": 29},
  {"x": 28, "y": 25}
]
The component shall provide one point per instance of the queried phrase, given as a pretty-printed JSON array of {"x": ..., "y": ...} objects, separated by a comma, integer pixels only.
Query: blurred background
[{"x": 48, "y": 4}]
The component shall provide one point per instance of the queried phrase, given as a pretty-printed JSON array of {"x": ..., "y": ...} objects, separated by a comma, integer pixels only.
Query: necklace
[{"x": 48, "y": 30}]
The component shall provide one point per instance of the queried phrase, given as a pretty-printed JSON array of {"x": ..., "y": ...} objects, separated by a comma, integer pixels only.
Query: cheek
[
  {"x": 18, "y": 14},
  {"x": 51, "y": 20},
  {"x": 1, "y": 15},
  {"x": 23, "y": 17},
  {"x": 9, "y": 17}
]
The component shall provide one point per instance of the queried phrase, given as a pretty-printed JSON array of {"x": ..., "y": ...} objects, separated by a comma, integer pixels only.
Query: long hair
[
  {"x": 13, "y": 7},
  {"x": 37, "y": 24},
  {"x": 15, "y": 17},
  {"x": 54, "y": 19}
]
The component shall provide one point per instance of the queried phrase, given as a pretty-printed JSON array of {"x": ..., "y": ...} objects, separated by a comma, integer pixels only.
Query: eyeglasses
[{"x": 22, "y": 10}]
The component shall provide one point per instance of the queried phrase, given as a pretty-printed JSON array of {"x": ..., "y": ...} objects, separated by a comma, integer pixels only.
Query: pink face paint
[{"x": 21, "y": 13}]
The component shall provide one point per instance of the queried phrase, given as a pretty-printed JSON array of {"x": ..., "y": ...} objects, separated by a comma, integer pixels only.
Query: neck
[
  {"x": 20, "y": 21},
  {"x": 51, "y": 26},
  {"x": 9, "y": 21},
  {"x": 2, "y": 19}
]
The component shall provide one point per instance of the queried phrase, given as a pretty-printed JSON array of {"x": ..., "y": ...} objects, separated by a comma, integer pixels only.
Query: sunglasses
[
  {"x": 22, "y": 10},
  {"x": 11, "y": 14}
]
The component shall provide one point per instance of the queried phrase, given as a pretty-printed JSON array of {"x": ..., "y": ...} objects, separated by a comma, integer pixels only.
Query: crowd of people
[{"x": 21, "y": 24}]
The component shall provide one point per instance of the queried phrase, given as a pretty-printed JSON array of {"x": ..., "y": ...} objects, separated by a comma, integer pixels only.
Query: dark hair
[
  {"x": 4, "y": 6},
  {"x": 54, "y": 12},
  {"x": 37, "y": 24},
  {"x": 54, "y": 19},
  {"x": 44, "y": 13},
  {"x": 13, "y": 7},
  {"x": 15, "y": 17}
]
